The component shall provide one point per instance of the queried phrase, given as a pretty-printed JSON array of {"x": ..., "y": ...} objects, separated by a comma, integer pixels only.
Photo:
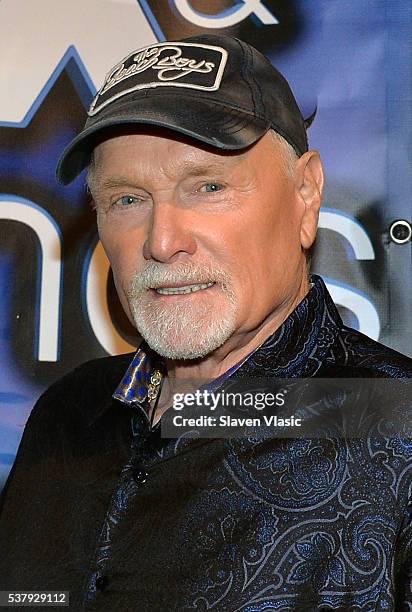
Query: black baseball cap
[{"x": 216, "y": 89}]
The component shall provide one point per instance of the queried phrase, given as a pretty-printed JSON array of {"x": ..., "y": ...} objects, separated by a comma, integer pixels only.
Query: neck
[{"x": 234, "y": 351}]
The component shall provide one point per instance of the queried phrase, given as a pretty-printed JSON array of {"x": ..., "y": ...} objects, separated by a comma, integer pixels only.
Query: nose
[{"x": 170, "y": 236}]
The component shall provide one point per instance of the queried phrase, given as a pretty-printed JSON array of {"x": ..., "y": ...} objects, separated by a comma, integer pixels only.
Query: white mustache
[{"x": 160, "y": 275}]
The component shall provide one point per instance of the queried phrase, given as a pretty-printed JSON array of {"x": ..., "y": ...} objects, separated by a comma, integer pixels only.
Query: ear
[{"x": 309, "y": 187}]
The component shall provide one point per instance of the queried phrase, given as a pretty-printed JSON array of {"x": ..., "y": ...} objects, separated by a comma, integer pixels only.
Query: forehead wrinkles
[{"x": 160, "y": 157}]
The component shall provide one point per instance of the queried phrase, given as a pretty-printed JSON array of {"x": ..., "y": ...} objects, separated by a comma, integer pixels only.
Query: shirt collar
[
  {"x": 134, "y": 387},
  {"x": 135, "y": 383}
]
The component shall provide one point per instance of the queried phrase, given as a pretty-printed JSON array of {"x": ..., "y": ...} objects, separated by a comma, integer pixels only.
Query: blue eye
[
  {"x": 126, "y": 200},
  {"x": 211, "y": 188}
]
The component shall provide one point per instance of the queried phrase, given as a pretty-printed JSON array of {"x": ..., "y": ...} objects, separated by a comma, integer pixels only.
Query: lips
[{"x": 183, "y": 289}]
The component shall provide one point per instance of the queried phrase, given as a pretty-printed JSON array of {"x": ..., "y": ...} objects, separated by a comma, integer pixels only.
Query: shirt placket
[{"x": 132, "y": 478}]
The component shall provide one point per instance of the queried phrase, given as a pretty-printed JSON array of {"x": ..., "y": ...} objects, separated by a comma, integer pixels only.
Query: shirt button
[
  {"x": 101, "y": 582},
  {"x": 139, "y": 476}
]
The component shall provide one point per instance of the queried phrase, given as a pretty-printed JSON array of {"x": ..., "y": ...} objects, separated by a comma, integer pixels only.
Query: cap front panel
[{"x": 189, "y": 65}]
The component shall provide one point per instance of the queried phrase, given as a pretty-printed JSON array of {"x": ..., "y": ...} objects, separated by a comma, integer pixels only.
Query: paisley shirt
[{"x": 99, "y": 504}]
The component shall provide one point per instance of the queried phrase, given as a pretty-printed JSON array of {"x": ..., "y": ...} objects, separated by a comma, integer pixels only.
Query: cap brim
[{"x": 208, "y": 122}]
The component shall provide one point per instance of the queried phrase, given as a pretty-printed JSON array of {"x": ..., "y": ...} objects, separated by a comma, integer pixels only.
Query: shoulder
[
  {"x": 106, "y": 368},
  {"x": 97, "y": 375},
  {"x": 83, "y": 390},
  {"x": 352, "y": 349}
]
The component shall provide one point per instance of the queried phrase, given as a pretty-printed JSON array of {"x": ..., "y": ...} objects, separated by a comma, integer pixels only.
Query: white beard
[{"x": 182, "y": 330}]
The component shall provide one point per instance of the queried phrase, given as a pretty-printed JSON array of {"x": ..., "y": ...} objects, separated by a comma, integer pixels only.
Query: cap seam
[
  {"x": 245, "y": 71},
  {"x": 213, "y": 101},
  {"x": 255, "y": 81},
  {"x": 249, "y": 73}
]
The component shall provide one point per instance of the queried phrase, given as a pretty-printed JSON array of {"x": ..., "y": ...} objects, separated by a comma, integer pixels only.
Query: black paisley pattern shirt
[{"x": 99, "y": 504}]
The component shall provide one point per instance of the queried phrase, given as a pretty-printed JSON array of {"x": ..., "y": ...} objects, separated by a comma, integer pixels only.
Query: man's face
[{"x": 205, "y": 247}]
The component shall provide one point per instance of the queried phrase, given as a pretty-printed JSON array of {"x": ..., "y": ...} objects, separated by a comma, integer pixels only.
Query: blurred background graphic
[{"x": 350, "y": 61}]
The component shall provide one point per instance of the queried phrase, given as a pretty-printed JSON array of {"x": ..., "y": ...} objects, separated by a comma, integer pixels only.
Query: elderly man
[{"x": 207, "y": 201}]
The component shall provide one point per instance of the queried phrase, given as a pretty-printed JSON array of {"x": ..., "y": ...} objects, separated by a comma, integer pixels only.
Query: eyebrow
[
  {"x": 189, "y": 168},
  {"x": 197, "y": 168},
  {"x": 113, "y": 181}
]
